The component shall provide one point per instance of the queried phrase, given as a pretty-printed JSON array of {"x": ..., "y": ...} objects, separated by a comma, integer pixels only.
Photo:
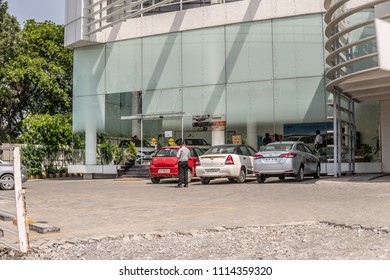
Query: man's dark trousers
[{"x": 183, "y": 173}]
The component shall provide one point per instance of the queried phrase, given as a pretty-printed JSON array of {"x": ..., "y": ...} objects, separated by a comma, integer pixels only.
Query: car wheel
[
  {"x": 299, "y": 176},
  {"x": 260, "y": 178},
  {"x": 318, "y": 172},
  {"x": 189, "y": 175},
  {"x": 231, "y": 180},
  {"x": 155, "y": 180},
  {"x": 242, "y": 176},
  {"x": 205, "y": 180},
  {"x": 282, "y": 177},
  {"x": 10, "y": 184}
]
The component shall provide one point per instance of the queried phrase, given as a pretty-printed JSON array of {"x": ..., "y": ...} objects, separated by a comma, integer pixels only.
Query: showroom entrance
[{"x": 157, "y": 132}]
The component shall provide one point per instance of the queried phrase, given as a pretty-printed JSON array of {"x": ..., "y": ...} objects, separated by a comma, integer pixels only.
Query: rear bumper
[
  {"x": 275, "y": 169},
  {"x": 218, "y": 172},
  {"x": 154, "y": 172}
]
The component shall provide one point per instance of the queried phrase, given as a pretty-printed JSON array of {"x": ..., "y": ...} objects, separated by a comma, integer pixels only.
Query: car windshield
[
  {"x": 221, "y": 150},
  {"x": 277, "y": 147},
  {"x": 144, "y": 143},
  {"x": 167, "y": 152},
  {"x": 137, "y": 143}
]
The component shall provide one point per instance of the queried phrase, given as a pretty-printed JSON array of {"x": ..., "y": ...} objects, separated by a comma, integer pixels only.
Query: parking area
[{"x": 85, "y": 209}]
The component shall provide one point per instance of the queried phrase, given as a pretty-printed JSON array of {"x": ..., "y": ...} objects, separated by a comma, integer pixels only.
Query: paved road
[{"x": 86, "y": 209}]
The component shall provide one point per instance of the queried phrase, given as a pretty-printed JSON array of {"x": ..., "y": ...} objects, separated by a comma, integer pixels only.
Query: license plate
[
  {"x": 164, "y": 171},
  {"x": 212, "y": 170}
]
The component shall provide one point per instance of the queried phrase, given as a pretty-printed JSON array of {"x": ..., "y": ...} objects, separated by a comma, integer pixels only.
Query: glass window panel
[
  {"x": 118, "y": 105},
  {"x": 251, "y": 102},
  {"x": 162, "y": 101},
  {"x": 300, "y": 100},
  {"x": 365, "y": 31},
  {"x": 123, "y": 66},
  {"x": 298, "y": 46},
  {"x": 204, "y": 100},
  {"x": 88, "y": 110},
  {"x": 249, "y": 52},
  {"x": 112, "y": 114},
  {"x": 161, "y": 59},
  {"x": 88, "y": 77},
  {"x": 204, "y": 56}
]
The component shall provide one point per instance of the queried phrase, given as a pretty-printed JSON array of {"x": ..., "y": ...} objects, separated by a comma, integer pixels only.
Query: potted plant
[
  {"x": 130, "y": 155},
  {"x": 367, "y": 153},
  {"x": 106, "y": 152}
]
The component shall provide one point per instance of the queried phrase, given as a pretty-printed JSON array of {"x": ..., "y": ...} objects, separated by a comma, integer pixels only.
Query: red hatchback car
[{"x": 164, "y": 163}]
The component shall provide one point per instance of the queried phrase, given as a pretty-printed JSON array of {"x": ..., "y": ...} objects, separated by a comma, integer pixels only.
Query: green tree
[
  {"x": 36, "y": 77},
  {"x": 9, "y": 38},
  {"x": 46, "y": 129},
  {"x": 43, "y": 69},
  {"x": 49, "y": 137}
]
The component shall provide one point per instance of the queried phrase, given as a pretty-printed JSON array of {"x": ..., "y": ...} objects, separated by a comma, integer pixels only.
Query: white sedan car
[{"x": 231, "y": 161}]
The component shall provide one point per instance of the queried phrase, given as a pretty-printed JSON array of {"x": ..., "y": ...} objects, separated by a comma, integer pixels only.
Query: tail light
[
  {"x": 229, "y": 160},
  {"x": 257, "y": 157},
  {"x": 288, "y": 155}
]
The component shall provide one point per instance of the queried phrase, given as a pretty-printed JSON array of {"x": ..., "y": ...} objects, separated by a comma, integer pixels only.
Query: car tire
[
  {"x": 318, "y": 172},
  {"x": 7, "y": 185},
  {"x": 232, "y": 180},
  {"x": 299, "y": 176},
  {"x": 189, "y": 175},
  {"x": 205, "y": 180},
  {"x": 155, "y": 180},
  {"x": 260, "y": 178},
  {"x": 242, "y": 176}
]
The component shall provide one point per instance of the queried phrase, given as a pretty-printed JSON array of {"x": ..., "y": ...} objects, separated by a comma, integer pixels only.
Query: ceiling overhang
[{"x": 369, "y": 85}]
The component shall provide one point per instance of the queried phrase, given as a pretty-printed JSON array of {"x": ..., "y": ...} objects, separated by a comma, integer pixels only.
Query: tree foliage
[
  {"x": 45, "y": 129},
  {"x": 36, "y": 72},
  {"x": 9, "y": 39}
]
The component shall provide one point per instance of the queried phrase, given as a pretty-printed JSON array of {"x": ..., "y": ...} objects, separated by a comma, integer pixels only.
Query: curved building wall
[{"x": 354, "y": 62}]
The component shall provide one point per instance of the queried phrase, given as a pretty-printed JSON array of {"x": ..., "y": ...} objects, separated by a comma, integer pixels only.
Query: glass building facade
[
  {"x": 262, "y": 77},
  {"x": 268, "y": 72}
]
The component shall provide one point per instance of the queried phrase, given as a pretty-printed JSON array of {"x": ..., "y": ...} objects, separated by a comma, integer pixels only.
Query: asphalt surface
[{"x": 85, "y": 209}]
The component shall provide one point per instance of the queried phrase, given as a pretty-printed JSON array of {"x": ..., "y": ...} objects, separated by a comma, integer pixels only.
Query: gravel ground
[{"x": 317, "y": 241}]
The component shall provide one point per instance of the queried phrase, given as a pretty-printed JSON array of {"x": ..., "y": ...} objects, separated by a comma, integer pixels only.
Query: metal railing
[
  {"x": 340, "y": 44},
  {"x": 101, "y": 14},
  {"x": 21, "y": 232}
]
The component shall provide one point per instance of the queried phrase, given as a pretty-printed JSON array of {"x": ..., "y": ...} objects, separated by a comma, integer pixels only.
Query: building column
[
  {"x": 90, "y": 144},
  {"x": 251, "y": 132},
  {"x": 135, "y": 124},
  {"x": 90, "y": 147},
  {"x": 217, "y": 137},
  {"x": 385, "y": 135}
]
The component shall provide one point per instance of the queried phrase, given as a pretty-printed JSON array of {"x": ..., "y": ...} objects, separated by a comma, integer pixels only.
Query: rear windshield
[
  {"x": 167, "y": 152},
  {"x": 291, "y": 138},
  {"x": 221, "y": 150},
  {"x": 277, "y": 147},
  {"x": 195, "y": 142}
]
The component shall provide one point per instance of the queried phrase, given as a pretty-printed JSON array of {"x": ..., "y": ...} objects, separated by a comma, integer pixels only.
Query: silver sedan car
[
  {"x": 286, "y": 159},
  {"x": 7, "y": 181}
]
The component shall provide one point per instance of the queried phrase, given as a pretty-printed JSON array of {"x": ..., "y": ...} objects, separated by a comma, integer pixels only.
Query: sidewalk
[{"x": 87, "y": 209}]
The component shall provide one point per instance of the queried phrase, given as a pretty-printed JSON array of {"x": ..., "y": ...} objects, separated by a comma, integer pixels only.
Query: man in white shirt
[
  {"x": 183, "y": 155},
  {"x": 319, "y": 140}
]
